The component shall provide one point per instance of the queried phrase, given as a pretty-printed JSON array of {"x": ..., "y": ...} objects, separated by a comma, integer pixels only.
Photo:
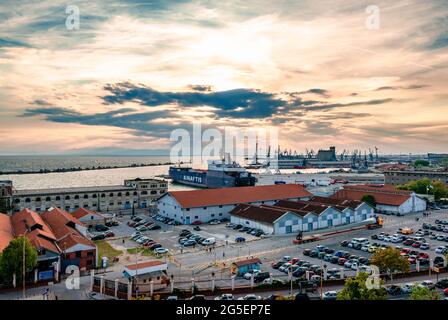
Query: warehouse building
[
  {"x": 388, "y": 198},
  {"x": 286, "y": 217},
  {"x": 204, "y": 205},
  {"x": 137, "y": 193}
]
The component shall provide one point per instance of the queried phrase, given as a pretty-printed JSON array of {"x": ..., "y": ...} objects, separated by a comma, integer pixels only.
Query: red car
[
  {"x": 445, "y": 292},
  {"x": 416, "y": 244},
  {"x": 412, "y": 260},
  {"x": 196, "y": 223},
  {"x": 423, "y": 255},
  {"x": 109, "y": 234},
  {"x": 341, "y": 261},
  {"x": 405, "y": 250}
]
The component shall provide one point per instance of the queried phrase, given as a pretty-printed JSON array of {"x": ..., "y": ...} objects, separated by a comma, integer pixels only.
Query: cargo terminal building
[
  {"x": 204, "y": 205},
  {"x": 137, "y": 193},
  {"x": 286, "y": 217}
]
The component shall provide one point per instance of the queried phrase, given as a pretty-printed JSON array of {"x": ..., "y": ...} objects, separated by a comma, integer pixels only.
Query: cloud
[
  {"x": 235, "y": 103},
  {"x": 410, "y": 87},
  {"x": 11, "y": 43}
]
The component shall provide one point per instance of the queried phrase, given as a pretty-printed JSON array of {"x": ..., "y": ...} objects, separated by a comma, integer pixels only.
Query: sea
[{"x": 130, "y": 169}]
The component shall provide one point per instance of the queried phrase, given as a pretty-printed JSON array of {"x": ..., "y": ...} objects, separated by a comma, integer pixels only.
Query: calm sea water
[
  {"x": 35, "y": 163},
  {"x": 89, "y": 177}
]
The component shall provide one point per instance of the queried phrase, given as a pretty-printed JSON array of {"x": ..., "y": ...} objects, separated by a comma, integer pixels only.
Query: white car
[
  {"x": 407, "y": 288},
  {"x": 365, "y": 248},
  {"x": 161, "y": 250},
  {"x": 386, "y": 239},
  {"x": 427, "y": 284},
  {"x": 330, "y": 295},
  {"x": 248, "y": 275},
  {"x": 284, "y": 267},
  {"x": 225, "y": 296},
  {"x": 209, "y": 241},
  {"x": 214, "y": 221},
  {"x": 354, "y": 266},
  {"x": 250, "y": 297},
  {"x": 348, "y": 264},
  {"x": 440, "y": 249}
]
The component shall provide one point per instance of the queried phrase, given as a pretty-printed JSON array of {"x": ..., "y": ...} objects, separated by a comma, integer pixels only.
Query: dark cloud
[
  {"x": 236, "y": 103},
  {"x": 317, "y": 91},
  {"x": 410, "y": 87},
  {"x": 323, "y": 107},
  {"x": 11, "y": 43},
  {"x": 141, "y": 122},
  {"x": 198, "y": 87}
]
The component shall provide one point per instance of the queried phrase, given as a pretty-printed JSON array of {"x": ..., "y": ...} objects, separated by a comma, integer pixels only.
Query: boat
[{"x": 222, "y": 173}]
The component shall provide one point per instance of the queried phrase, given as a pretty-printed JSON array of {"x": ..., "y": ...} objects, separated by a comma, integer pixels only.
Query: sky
[{"x": 322, "y": 72}]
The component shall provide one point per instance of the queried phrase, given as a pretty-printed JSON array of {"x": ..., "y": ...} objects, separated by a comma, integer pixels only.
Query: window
[
  {"x": 47, "y": 199},
  {"x": 78, "y": 254},
  {"x": 27, "y": 200},
  {"x": 90, "y": 254},
  {"x": 144, "y": 192},
  {"x": 58, "y": 198},
  {"x": 94, "y": 196},
  {"x": 213, "y": 214},
  {"x": 220, "y": 205},
  {"x": 135, "y": 193},
  {"x": 119, "y": 194},
  {"x": 220, "y": 214},
  {"x": 67, "y": 208},
  {"x": 127, "y": 194},
  {"x": 103, "y": 195},
  {"x": 153, "y": 192},
  {"x": 188, "y": 209},
  {"x": 17, "y": 201},
  {"x": 205, "y": 208},
  {"x": 89, "y": 262},
  {"x": 38, "y": 199},
  {"x": 67, "y": 197},
  {"x": 76, "y": 197},
  {"x": 111, "y": 194},
  {"x": 196, "y": 217},
  {"x": 86, "y": 196}
]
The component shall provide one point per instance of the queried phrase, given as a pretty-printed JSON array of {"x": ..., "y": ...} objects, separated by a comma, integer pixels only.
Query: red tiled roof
[
  {"x": 258, "y": 213},
  {"x": 246, "y": 262},
  {"x": 146, "y": 264},
  {"x": 339, "y": 204},
  {"x": 72, "y": 239},
  {"x": 226, "y": 196},
  {"x": 82, "y": 212},
  {"x": 59, "y": 221},
  {"x": 306, "y": 206},
  {"x": 6, "y": 231},
  {"x": 385, "y": 198},
  {"x": 39, "y": 240},
  {"x": 26, "y": 219}
]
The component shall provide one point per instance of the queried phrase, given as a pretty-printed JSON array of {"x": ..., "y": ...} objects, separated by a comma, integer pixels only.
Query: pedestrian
[
  {"x": 123, "y": 241},
  {"x": 223, "y": 254}
]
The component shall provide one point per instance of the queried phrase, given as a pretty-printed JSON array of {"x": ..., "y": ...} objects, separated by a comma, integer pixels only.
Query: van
[{"x": 209, "y": 241}]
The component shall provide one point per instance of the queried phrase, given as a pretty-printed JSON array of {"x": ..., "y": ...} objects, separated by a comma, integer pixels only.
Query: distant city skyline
[{"x": 136, "y": 70}]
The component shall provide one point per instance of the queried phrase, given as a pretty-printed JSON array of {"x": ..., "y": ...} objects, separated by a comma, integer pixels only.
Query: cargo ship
[{"x": 219, "y": 174}]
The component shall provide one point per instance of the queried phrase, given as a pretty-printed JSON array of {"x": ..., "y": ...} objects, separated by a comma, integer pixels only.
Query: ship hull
[{"x": 209, "y": 179}]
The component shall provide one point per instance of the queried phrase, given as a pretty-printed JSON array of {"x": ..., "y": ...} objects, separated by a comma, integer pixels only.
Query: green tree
[
  {"x": 390, "y": 261},
  {"x": 355, "y": 288},
  {"x": 423, "y": 293},
  {"x": 421, "y": 163},
  {"x": 444, "y": 163},
  {"x": 4, "y": 205},
  {"x": 368, "y": 198},
  {"x": 12, "y": 259}
]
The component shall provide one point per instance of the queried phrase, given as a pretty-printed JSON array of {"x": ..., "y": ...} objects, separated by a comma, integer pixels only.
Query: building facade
[
  {"x": 290, "y": 217},
  {"x": 190, "y": 206},
  {"x": 396, "y": 177},
  {"x": 387, "y": 198},
  {"x": 137, "y": 193}
]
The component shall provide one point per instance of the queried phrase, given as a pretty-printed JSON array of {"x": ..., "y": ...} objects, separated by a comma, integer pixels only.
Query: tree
[
  {"x": 356, "y": 289},
  {"x": 12, "y": 259},
  {"x": 426, "y": 186},
  {"x": 390, "y": 261},
  {"x": 421, "y": 163},
  {"x": 423, "y": 293},
  {"x": 368, "y": 198},
  {"x": 4, "y": 205}
]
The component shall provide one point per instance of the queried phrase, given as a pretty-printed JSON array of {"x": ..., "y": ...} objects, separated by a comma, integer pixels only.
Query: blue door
[
  {"x": 187, "y": 220},
  {"x": 288, "y": 229},
  {"x": 330, "y": 223},
  {"x": 310, "y": 226}
]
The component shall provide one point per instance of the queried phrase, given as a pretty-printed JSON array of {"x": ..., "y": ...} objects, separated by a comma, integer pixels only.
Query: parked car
[
  {"x": 99, "y": 236},
  {"x": 100, "y": 227},
  {"x": 161, "y": 250},
  {"x": 427, "y": 284},
  {"x": 155, "y": 246},
  {"x": 225, "y": 296},
  {"x": 330, "y": 295},
  {"x": 154, "y": 227},
  {"x": 442, "y": 284},
  {"x": 196, "y": 223},
  {"x": 109, "y": 234},
  {"x": 394, "y": 290},
  {"x": 209, "y": 241},
  {"x": 248, "y": 297},
  {"x": 189, "y": 243},
  {"x": 197, "y": 297},
  {"x": 240, "y": 239},
  {"x": 214, "y": 221}
]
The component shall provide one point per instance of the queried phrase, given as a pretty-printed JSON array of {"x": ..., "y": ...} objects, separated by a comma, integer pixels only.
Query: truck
[{"x": 376, "y": 223}]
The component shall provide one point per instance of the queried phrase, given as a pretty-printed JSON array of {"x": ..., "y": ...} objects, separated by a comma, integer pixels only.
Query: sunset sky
[{"x": 136, "y": 70}]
